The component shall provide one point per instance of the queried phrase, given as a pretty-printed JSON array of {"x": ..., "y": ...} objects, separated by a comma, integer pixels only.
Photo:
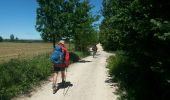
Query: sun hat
[{"x": 61, "y": 41}]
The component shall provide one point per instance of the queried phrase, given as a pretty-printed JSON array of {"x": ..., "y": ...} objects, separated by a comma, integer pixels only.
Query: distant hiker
[
  {"x": 60, "y": 60},
  {"x": 94, "y": 48}
]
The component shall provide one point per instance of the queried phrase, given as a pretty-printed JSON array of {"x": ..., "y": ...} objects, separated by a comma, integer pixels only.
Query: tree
[
  {"x": 12, "y": 37},
  {"x": 141, "y": 29},
  {"x": 1, "y": 39},
  {"x": 16, "y": 38},
  {"x": 58, "y": 19},
  {"x": 84, "y": 33},
  {"x": 48, "y": 19}
]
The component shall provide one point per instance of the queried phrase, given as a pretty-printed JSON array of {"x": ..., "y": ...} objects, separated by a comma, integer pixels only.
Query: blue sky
[{"x": 18, "y": 17}]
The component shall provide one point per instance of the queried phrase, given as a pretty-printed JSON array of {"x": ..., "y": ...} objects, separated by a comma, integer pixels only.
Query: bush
[
  {"x": 135, "y": 81},
  {"x": 75, "y": 56}
]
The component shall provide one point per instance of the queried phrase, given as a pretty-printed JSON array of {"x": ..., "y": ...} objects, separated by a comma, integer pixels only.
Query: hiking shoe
[
  {"x": 63, "y": 81},
  {"x": 54, "y": 91},
  {"x": 54, "y": 87}
]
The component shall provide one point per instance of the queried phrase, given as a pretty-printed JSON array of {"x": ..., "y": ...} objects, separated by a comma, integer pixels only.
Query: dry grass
[{"x": 10, "y": 50}]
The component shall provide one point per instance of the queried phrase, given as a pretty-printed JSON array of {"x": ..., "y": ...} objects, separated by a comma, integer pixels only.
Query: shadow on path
[
  {"x": 64, "y": 86},
  {"x": 83, "y": 61}
]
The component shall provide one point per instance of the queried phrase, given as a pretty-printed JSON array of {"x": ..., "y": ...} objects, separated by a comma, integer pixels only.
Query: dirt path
[{"x": 86, "y": 80}]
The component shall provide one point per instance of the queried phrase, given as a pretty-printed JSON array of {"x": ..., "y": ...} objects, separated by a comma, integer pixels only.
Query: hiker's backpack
[{"x": 57, "y": 57}]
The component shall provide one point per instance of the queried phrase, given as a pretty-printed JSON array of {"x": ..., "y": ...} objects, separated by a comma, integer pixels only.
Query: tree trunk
[{"x": 54, "y": 41}]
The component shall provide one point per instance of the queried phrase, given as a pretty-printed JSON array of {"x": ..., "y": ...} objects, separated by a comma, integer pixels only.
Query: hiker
[
  {"x": 94, "y": 48},
  {"x": 60, "y": 60}
]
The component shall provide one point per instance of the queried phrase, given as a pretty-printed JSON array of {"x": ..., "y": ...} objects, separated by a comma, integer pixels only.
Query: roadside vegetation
[
  {"x": 139, "y": 32},
  {"x": 19, "y": 76}
]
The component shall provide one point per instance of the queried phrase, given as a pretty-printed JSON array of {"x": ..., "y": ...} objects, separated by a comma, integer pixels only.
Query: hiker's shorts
[{"x": 57, "y": 69}]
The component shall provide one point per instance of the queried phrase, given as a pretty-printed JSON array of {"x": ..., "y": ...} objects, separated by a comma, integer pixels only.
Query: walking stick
[{"x": 65, "y": 80}]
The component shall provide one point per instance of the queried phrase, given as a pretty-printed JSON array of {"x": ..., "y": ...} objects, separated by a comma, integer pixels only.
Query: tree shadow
[
  {"x": 111, "y": 82},
  {"x": 83, "y": 61}
]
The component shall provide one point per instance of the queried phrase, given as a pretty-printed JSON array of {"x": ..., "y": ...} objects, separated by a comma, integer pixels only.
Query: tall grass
[{"x": 18, "y": 76}]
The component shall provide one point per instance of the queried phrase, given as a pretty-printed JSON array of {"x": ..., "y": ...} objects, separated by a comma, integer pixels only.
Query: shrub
[{"x": 74, "y": 57}]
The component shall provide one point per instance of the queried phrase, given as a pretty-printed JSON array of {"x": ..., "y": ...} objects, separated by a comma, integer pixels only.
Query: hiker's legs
[
  {"x": 94, "y": 53},
  {"x": 54, "y": 87},
  {"x": 55, "y": 78},
  {"x": 55, "y": 75},
  {"x": 63, "y": 74}
]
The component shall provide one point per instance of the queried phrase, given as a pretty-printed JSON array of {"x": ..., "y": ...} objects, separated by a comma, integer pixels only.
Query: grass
[{"x": 19, "y": 76}]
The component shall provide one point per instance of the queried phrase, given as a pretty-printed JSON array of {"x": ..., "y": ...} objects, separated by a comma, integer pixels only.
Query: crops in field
[{"x": 10, "y": 50}]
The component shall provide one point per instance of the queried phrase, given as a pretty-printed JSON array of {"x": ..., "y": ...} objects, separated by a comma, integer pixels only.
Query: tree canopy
[{"x": 70, "y": 19}]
